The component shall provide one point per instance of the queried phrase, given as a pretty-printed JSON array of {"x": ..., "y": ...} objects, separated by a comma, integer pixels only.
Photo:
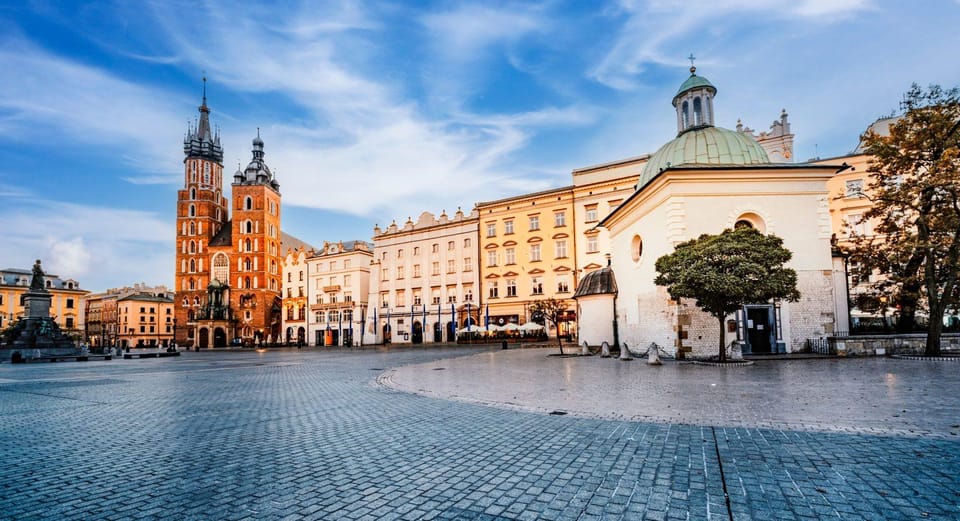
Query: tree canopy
[
  {"x": 915, "y": 191},
  {"x": 726, "y": 271}
]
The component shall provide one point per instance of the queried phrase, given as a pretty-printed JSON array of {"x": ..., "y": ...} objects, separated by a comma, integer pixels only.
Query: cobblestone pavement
[{"x": 308, "y": 435}]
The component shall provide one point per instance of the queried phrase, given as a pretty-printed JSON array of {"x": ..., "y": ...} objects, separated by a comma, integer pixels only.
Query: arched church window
[
  {"x": 246, "y": 245},
  {"x": 184, "y": 302},
  {"x": 206, "y": 173},
  {"x": 193, "y": 284},
  {"x": 221, "y": 267},
  {"x": 248, "y": 203},
  {"x": 193, "y": 247},
  {"x": 246, "y": 282},
  {"x": 193, "y": 228},
  {"x": 193, "y": 266},
  {"x": 193, "y": 193},
  {"x": 218, "y": 214},
  {"x": 193, "y": 211},
  {"x": 750, "y": 220},
  {"x": 636, "y": 248},
  {"x": 685, "y": 112},
  {"x": 697, "y": 111},
  {"x": 247, "y": 264}
]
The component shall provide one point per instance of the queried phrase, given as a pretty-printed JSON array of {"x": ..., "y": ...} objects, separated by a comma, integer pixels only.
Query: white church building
[{"x": 703, "y": 181}]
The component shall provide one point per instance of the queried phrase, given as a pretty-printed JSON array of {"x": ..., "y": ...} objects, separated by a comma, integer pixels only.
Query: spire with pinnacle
[{"x": 200, "y": 141}]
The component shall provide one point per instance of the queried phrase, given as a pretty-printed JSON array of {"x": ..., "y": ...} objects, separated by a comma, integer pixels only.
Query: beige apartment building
[
  {"x": 425, "y": 279},
  {"x": 65, "y": 302},
  {"x": 528, "y": 252},
  {"x": 145, "y": 320},
  {"x": 338, "y": 284}
]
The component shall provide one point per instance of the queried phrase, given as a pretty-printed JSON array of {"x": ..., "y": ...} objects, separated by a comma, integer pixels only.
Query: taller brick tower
[{"x": 201, "y": 214}]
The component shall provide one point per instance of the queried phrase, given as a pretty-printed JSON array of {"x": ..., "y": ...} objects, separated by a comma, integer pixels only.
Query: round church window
[{"x": 636, "y": 248}]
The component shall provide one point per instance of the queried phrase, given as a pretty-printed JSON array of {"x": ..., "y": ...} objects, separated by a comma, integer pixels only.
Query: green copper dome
[
  {"x": 708, "y": 146},
  {"x": 694, "y": 82}
]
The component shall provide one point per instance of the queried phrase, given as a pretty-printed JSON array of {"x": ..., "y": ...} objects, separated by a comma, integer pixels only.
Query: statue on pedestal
[{"x": 36, "y": 283}]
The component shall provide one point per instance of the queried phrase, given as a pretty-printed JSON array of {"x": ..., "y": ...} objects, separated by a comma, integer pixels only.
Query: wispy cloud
[{"x": 92, "y": 244}]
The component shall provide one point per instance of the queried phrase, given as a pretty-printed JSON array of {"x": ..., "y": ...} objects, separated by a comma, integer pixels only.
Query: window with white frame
[
  {"x": 510, "y": 256},
  {"x": 560, "y": 248},
  {"x": 416, "y": 270},
  {"x": 534, "y": 222},
  {"x": 559, "y": 219},
  {"x": 592, "y": 244},
  {"x": 511, "y": 287},
  {"x": 491, "y": 258},
  {"x": 400, "y": 272},
  {"x": 591, "y": 213},
  {"x": 491, "y": 229},
  {"x": 468, "y": 294},
  {"x": 534, "y": 252},
  {"x": 451, "y": 266},
  {"x": 467, "y": 264},
  {"x": 435, "y": 268},
  {"x": 508, "y": 227},
  {"x": 563, "y": 284},
  {"x": 492, "y": 290},
  {"x": 536, "y": 285}
]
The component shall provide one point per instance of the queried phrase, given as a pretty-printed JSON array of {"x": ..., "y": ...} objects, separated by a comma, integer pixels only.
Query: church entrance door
[
  {"x": 204, "y": 338},
  {"x": 759, "y": 329},
  {"x": 219, "y": 337}
]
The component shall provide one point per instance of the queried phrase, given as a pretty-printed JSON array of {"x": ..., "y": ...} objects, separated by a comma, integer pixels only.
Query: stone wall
[{"x": 869, "y": 345}]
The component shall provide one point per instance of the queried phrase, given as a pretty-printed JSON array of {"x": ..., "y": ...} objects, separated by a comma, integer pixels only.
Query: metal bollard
[
  {"x": 625, "y": 353},
  {"x": 605, "y": 350}
]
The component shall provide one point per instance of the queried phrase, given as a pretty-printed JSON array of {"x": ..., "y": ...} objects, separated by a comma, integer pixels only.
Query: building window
[
  {"x": 416, "y": 298},
  {"x": 416, "y": 270},
  {"x": 563, "y": 284},
  {"x": 537, "y": 286},
  {"x": 416, "y": 250},
  {"x": 193, "y": 211},
  {"x": 534, "y": 223},
  {"x": 69, "y": 303},
  {"x": 401, "y": 299},
  {"x": 385, "y": 274},
  {"x": 507, "y": 227},
  {"x": 450, "y": 246},
  {"x": 560, "y": 219},
  {"x": 69, "y": 322},
  {"x": 467, "y": 264},
  {"x": 491, "y": 258},
  {"x": 451, "y": 266},
  {"x": 492, "y": 290},
  {"x": 435, "y": 268},
  {"x": 636, "y": 248},
  {"x": 466, "y": 242},
  {"x": 435, "y": 248},
  {"x": 400, "y": 253},
  {"x": 510, "y": 256},
  {"x": 535, "y": 253},
  {"x": 560, "y": 248},
  {"x": 592, "y": 246},
  {"x": 491, "y": 229},
  {"x": 511, "y": 287},
  {"x": 591, "y": 214},
  {"x": 854, "y": 188},
  {"x": 399, "y": 272}
]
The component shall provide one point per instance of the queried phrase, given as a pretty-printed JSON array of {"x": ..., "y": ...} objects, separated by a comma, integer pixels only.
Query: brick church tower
[{"x": 227, "y": 278}]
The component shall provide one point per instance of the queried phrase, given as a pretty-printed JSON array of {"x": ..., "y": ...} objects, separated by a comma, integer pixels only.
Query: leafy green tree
[
  {"x": 726, "y": 271},
  {"x": 915, "y": 191},
  {"x": 552, "y": 310}
]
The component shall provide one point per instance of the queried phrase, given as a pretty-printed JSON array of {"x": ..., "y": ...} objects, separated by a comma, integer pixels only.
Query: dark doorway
[
  {"x": 386, "y": 333},
  {"x": 417, "y": 337},
  {"x": 437, "y": 332},
  {"x": 204, "y": 338},
  {"x": 759, "y": 329},
  {"x": 301, "y": 336},
  {"x": 219, "y": 337},
  {"x": 289, "y": 335},
  {"x": 451, "y": 332}
]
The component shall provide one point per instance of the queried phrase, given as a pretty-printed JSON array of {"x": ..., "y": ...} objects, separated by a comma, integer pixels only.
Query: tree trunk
[
  {"x": 934, "y": 330},
  {"x": 559, "y": 340},
  {"x": 907, "y": 300},
  {"x": 723, "y": 347}
]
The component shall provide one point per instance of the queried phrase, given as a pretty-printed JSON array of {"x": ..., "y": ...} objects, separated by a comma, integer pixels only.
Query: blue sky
[{"x": 375, "y": 111}]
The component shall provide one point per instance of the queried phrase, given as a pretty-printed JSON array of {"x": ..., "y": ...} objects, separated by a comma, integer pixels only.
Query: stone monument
[{"x": 36, "y": 335}]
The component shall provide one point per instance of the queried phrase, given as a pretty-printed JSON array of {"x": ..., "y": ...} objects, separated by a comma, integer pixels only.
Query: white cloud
[
  {"x": 49, "y": 98},
  {"x": 96, "y": 245}
]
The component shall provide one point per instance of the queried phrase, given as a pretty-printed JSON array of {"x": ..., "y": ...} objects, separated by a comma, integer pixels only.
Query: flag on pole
[
  {"x": 486, "y": 320},
  {"x": 376, "y": 325},
  {"x": 453, "y": 314},
  {"x": 469, "y": 316}
]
